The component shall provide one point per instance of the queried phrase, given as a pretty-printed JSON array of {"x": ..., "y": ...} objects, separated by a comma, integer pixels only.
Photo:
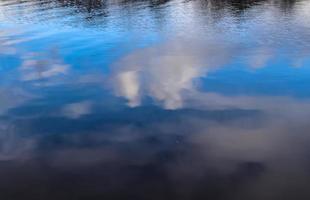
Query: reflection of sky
[
  {"x": 186, "y": 100},
  {"x": 263, "y": 143},
  {"x": 175, "y": 51},
  {"x": 277, "y": 78}
]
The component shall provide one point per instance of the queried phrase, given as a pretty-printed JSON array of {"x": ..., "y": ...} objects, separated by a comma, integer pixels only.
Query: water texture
[{"x": 154, "y": 99}]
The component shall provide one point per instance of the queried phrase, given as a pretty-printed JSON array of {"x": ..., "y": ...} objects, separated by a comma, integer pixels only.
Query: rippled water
[{"x": 157, "y": 99}]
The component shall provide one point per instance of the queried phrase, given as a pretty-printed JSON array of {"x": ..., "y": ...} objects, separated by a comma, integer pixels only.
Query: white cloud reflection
[
  {"x": 164, "y": 72},
  {"x": 76, "y": 110},
  {"x": 36, "y": 68}
]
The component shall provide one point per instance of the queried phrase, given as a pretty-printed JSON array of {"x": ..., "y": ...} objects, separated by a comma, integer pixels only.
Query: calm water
[{"x": 157, "y": 99}]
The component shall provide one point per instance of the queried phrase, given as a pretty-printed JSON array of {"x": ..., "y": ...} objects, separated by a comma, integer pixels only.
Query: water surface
[{"x": 157, "y": 99}]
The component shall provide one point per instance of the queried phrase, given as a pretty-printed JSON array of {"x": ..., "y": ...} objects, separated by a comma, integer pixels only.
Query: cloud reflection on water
[
  {"x": 36, "y": 68},
  {"x": 76, "y": 140},
  {"x": 169, "y": 72},
  {"x": 163, "y": 72},
  {"x": 241, "y": 152}
]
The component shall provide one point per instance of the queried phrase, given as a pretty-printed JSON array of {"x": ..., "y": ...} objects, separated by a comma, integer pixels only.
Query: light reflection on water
[{"x": 154, "y": 99}]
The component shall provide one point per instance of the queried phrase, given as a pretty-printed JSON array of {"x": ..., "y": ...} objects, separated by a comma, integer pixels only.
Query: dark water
[{"x": 158, "y": 99}]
